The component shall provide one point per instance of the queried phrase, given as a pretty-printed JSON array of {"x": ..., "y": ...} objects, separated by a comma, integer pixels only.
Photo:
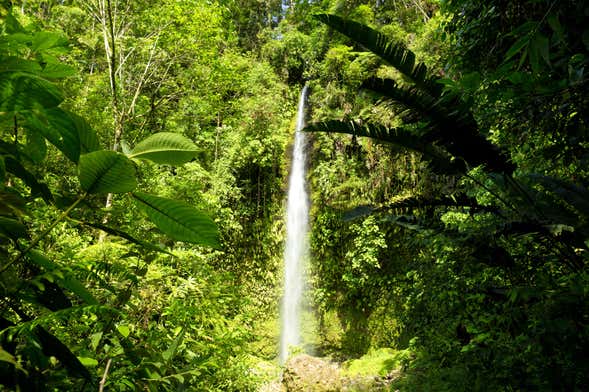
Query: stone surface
[{"x": 304, "y": 373}]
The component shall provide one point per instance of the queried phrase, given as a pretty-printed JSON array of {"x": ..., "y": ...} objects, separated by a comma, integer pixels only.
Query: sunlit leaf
[
  {"x": 124, "y": 330},
  {"x": 106, "y": 171},
  {"x": 44, "y": 40},
  {"x": 165, "y": 148},
  {"x": 179, "y": 220},
  {"x": 88, "y": 362}
]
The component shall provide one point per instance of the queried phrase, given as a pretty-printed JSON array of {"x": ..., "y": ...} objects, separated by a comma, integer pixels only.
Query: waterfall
[{"x": 296, "y": 249}]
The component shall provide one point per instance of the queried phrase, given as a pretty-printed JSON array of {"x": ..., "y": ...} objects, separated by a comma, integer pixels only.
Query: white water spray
[{"x": 296, "y": 250}]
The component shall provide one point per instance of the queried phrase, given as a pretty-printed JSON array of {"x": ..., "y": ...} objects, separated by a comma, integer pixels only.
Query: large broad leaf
[
  {"x": 394, "y": 53},
  {"x": 178, "y": 220},
  {"x": 12, "y": 228},
  {"x": 46, "y": 40},
  {"x": 57, "y": 126},
  {"x": 446, "y": 113},
  {"x": 86, "y": 135},
  {"x": 21, "y": 92},
  {"x": 106, "y": 172},
  {"x": 68, "y": 281},
  {"x": 52, "y": 346},
  {"x": 14, "y": 167},
  {"x": 36, "y": 147},
  {"x": 17, "y": 64},
  {"x": 165, "y": 148}
]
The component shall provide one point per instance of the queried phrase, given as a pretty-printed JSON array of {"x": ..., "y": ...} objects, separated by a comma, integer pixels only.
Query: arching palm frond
[
  {"x": 440, "y": 161},
  {"x": 449, "y": 125},
  {"x": 394, "y": 53},
  {"x": 438, "y": 110}
]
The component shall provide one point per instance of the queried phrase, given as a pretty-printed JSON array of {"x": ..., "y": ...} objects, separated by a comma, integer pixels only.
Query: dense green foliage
[
  {"x": 98, "y": 298},
  {"x": 143, "y": 159},
  {"x": 478, "y": 259}
]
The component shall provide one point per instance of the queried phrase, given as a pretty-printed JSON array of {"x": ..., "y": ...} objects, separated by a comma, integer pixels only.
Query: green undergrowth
[{"x": 376, "y": 362}]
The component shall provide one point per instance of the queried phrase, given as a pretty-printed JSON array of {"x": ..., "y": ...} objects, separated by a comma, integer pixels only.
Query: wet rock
[{"x": 304, "y": 373}]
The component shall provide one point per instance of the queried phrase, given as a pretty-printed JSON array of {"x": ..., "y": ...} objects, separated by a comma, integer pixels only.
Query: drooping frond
[
  {"x": 417, "y": 202},
  {"x": 394, "y": 53},
  {"x": 440, "y": 161},
  {"x": 437, "y": 110}
]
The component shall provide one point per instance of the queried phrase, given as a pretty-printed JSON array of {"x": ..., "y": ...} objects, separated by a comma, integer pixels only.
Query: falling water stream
[{"x": 296, "y": 249}]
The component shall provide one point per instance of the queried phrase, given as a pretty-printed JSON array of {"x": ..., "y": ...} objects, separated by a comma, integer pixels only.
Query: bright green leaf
[
  {"x": 5, "y": 356},
  {"x": 106, "y": 171},
  {"x": 57, "y": 71},
  {"x": 178, "y": 220},
  {"x": 95, "y": 340},
  {"x": 165, "y": 148},
  {"x": 124, "y": 330},
  {"x": 89, "y": 362}
]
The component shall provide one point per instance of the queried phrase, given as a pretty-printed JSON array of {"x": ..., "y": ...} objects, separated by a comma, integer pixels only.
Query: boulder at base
[{"x": 307, "y": 373}]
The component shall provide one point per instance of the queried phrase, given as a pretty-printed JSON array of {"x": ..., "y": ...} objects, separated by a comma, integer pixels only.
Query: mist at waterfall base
[{"x": 296, "y": 250}]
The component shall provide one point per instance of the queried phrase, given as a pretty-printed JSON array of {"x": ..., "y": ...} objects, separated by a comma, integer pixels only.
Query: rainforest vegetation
[{"x": 144, "y": 158}]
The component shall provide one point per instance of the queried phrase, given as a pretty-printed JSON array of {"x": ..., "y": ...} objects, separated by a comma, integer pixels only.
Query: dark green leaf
[
  {"x": 54, "y": 347},
  {"x": 2, "y": 169},
  {"x": 12, "y": 228},
  {"x": 178, "y": 220},
  {"x": 37, "y": 188},
  {"x": 36, "y": 147},
  {"x": 517, "y": 47},
  {"x": 403, "y": 137},
  {"x": 60, "y": 128},
  {"x": 106, "y": 171},
  {"x": 22, "y": 92},
  {"x": 68, "y": 281},
  {"x": 16, "y": 64}
]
